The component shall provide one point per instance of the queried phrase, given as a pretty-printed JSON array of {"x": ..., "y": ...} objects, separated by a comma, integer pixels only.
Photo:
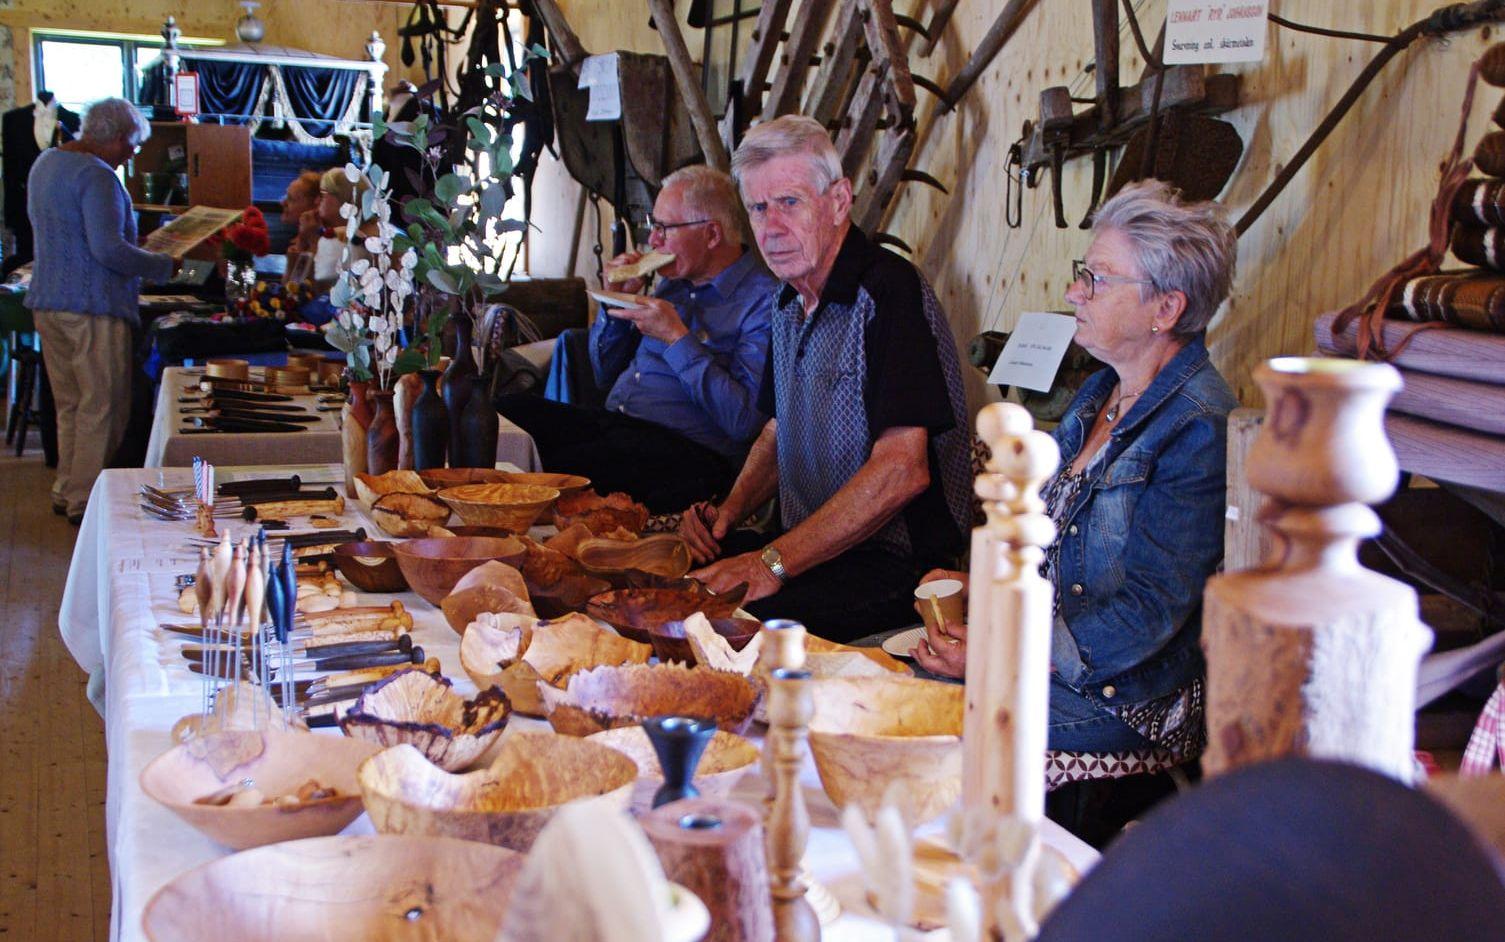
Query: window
[{"x": 79, "y": 67}]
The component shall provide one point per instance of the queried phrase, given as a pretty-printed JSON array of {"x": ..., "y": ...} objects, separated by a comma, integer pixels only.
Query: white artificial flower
[
  {"x": 347, "y": 210},
  {"x": 352, "y": 173},
  {"x": 378, "y": 324},
  {"x": 392, "y": 279},
  {"x": 373, "y": 245},
  {"x": 409, "y": 260},
  {"x": 359, "y": 266}
]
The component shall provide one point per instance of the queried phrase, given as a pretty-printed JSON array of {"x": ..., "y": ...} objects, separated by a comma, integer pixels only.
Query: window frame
[{"x": 126, "y": 43}]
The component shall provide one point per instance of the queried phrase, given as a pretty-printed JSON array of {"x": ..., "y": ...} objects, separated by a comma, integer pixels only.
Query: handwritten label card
[
  {"x": 1034, "y": 351},
  {"x": 599, "y": 74},
  {"x": 1212, "y": 31}
]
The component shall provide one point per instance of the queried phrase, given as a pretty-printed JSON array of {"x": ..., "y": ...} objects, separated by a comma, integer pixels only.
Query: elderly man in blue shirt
[{"x": 685, "y": 366}]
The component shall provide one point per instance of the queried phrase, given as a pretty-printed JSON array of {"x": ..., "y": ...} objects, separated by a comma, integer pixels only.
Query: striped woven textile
[{"x": 1474, "y": 300}]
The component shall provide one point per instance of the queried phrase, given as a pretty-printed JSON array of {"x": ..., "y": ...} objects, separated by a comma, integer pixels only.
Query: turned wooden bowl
[
  {"x": 432, "y": 566},
  {"x": 671, "y": 644},
  {"x": 276, "y": 762},
  {"x": 566, "y": 484},
  {"x": 625, "y": 563},
  {"x": 227, "y": 368},
  {"x": 873, "y": 734},
  {"x": 511, "y": 506},
  {"x": 306, "y": 361},
  {"x": 369, "y": 488},
  {"x": 370, "y": 567},
  {"x": 416, "y": 708},
  {"x": 288, "y": 375},
  {"x": 726, "y": 759},
  {"x": 625, "y": 695},
  {"x": 440, "y": 478},
  {"x": 634, "y": 612},
  {"x": 341, "y": 889},
  {"x": 500, "y": 533},
  {"x": 409, "y": 515},
  {"x": 600, "y": 515},
  {"x": 506, "y": 803}
]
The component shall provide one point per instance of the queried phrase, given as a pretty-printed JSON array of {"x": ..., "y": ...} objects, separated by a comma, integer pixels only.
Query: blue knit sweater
[{"x": 87, "y": 261}]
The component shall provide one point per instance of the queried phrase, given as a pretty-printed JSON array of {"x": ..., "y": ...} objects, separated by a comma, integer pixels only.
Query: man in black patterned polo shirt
[{"x": 867, "y": 449}]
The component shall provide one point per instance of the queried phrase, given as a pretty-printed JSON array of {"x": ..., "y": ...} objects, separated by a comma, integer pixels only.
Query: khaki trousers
[{"x": 88, "y": 360}]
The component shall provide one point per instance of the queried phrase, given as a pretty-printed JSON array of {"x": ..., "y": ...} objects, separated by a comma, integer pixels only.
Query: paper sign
[
  {"x": 599, "y": 74},
  {"x": 1034, "y": 351},
  {"x": 1199, "y": 31},
  {"x": 186, "y": 93}
]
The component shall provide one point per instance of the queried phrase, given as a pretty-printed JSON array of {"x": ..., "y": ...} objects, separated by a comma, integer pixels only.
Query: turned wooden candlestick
[
  {"x": 714, "y": 847},
  {"x": 790, "y": 707},
  {"x": 1008, "y": 647},
  {"x": 1311, "y": 653}
]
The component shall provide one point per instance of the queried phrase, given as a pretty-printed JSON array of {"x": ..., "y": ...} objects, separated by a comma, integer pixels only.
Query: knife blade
[
  {"x": 215, "y": 387},
  {"x": 204, "y": 423},
  {"x": 221, "y": 402},
  {"x": 301, "y": 416}
]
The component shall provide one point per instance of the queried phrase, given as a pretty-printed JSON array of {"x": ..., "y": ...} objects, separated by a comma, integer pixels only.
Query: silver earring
[{"x": 1155, "y": 328}]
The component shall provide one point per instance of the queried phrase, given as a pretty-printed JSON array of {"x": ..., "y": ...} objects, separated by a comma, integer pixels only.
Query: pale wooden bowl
[
  {"x": 726, "y": 759},
  {"x": 369, "y": 488},
  {"x": 511, "y": 506},
  {"x": 416, "y": 708},
  {"x": 565, "y": 484},
  {"x": 227, "y": 368},
  {"x": 623, "y": 563},
  {"x": 440, "y": 478},
  {"x": 609, "y": 697},
  {"x": 873, "y": 734},
  {"x": 506, "y": 803},
  {"x": 383, "y": 887},
  {"x": 432, "y": 566},
  {"x": 287, "y": 760}
]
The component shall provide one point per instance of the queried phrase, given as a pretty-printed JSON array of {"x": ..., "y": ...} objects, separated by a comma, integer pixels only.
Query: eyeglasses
[
  {"x": 661, "y": 229},
  {"x": 1082, "y": 275}
]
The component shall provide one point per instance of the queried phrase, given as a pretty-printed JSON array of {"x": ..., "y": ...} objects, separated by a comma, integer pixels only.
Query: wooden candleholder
[
  {"x": 1008, "y": 651},
  {"x": 790, "y": 707},
  {"x": 1312, "y": 654},
  {"x": 714, "y": 847}
]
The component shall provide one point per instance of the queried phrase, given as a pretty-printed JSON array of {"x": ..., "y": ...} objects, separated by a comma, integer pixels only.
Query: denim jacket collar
[{"x": 1095, "y": 390}]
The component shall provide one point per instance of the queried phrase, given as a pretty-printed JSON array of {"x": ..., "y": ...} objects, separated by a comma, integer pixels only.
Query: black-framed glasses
[
  {"x": 655, "y": 228},
  {"x": 1082, "y": 275}
]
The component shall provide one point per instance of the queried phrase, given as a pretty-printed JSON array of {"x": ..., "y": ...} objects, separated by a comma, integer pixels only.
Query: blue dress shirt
[{"x": 704, "y": 385}]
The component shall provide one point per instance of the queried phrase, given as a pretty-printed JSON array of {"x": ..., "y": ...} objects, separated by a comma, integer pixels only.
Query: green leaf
[
  {"x": 449, "y": 188},
  {"x": 490, "y": 283},
  {"x": 378, "y": 127},
  {"x": 414, "y": 209},
  {"x": 440, "y": 278},
  {"x": 410, "y": 360},
  {"x": 493, "y": 199},
  {"x": 539, "y": 51},
  {"x": 511, "y": 225},
  {"x": 479, "y": 131},
  {"x": 496, "y": 69}
]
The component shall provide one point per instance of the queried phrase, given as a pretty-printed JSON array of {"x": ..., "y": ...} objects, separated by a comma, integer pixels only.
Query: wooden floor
[{"x": 54, "y": 871}]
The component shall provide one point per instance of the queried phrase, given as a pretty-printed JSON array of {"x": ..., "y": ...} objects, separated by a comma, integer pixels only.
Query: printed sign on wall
[{"x": 1198, "y": 31}]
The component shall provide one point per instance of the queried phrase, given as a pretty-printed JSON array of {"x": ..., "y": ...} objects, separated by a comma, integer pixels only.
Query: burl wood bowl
[
  {"x": 609, "y": 697},
  {"x": 432, "y": 566},
  {"x": 409, "y": 515},
  {"x": 511, "y": 506},
  {"x": 370, "y": 567},
  {"x": 506, "y": 803},
  {"x": 634, "y": 612},
  {"x": 277, "y": 763},
  {"x": 440, "y": 478},
  {"x": 384, "y": 887},
  {"x": 873, "y": 734},
  {"x": 671, "y": 644},
  {"x": 625, "y": 563},
  {"x": 600, "y": 515},
  {"x": 726, "y": 759},
  {"x": 416, "y": 708}
]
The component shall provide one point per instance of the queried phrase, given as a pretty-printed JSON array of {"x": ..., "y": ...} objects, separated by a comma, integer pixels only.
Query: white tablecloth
[
  {"x": 168, "y": 447},
  {"x": 120, "y": 586}
]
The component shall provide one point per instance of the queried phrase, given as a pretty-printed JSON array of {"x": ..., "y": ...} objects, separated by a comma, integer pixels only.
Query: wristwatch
[{"x": 774, "y": 560}]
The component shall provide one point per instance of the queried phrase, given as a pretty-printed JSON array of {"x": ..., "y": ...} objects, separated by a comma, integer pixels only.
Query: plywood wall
[{"x": 1356, "y": 208}]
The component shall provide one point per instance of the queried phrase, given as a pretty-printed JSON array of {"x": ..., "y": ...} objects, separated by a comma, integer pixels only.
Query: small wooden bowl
[
  {"x": 305, "y": 361},
  {"x": 726, "y": 759},
  {"x": 409, "y": 515},
  {"x": 440, "y": 478},
  {"x": 416, "y": 708},
  {"x": 512, "y": 506},
  {"x": 369, "y": 488},
  {"x": 228, "y": 368},
  {"x": 609, "y": 697},
  {"x": 287, "y": 375},
  {"x": 285, "y": 761},
  {"x": 634, "y": 612},
  {"x": 330, "y": 372},
  {"x": 370, "y": 567},
  {"x": 671, "y": 644},
  {"x": 622, "y": 562},
  {"x": 341, "y": 889},
  {"x": 432, "y": 566},
  {"x": 565, "y": 484},
  {"x": 507, "y": 803},
  {"x": 873, "y": 734}
]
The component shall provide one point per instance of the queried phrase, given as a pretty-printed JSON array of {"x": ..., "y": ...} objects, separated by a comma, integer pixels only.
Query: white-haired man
[
  {"x": 867, "y": 446},
  {"x": 684, "y": 366}
]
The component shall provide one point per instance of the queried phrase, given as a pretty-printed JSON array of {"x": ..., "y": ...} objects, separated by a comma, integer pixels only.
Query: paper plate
[
  {"x": 905, "y": 641},
  {"x": 618, "y": 298}
]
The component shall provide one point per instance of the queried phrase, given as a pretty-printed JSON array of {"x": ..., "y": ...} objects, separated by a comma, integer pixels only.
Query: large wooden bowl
[
  {"x": 369, "y": 488},
  {"x": 624, "y": 563},
  {"x": 341, "y": 889},
  {"x": 873, "y": 734},
  {"x": 625, "y": 695},
  {"x": 557, "y": 586},
  {"x": 417, "y": 708},
  {"x": 370, "y": 567},
  {"x": 432, "y": 566},
  {"x": 507, "y": 803},
  {"x": 440, "y": 478},
  {"x": 277, "y": 763},
  {"x": 726, "y": 759},
  {"x": 511, "y": 506},
  {"x": 565, "y": 484},
  {"x": 671, "y": 644},
  {"x": 634, "y": 612}
]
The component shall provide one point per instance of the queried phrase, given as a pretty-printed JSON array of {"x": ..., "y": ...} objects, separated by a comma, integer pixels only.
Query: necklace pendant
[{"x": 1111, "y": 415}]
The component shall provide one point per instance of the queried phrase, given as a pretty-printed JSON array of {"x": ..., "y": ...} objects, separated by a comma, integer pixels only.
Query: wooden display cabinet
[{"x": 217, "y": 161}]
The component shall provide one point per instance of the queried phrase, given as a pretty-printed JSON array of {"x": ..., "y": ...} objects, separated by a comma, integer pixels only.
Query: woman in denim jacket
[{"x": 1138, "y": 500}]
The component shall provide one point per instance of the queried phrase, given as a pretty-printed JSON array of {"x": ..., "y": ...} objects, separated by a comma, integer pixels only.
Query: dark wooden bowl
[
  {"x": 432, "y": 566},
  {"x": 670, "y": 643},
  {"x": 352, "y": 560},
  {"x": 634, "y": 612}
]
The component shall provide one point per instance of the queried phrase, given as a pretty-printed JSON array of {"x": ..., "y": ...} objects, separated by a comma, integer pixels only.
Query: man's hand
[
  {"x": 654, "y": 317},
  {"x": 941, "y": 654},
  {"x": 631, "y": 285},
  {"x": 702, "y": 529},
  {"x": 735, "y": 570}
]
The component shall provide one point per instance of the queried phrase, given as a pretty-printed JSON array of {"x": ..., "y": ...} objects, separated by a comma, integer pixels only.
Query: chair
[
  {"x": 26, "y": 359},
  {"x": 1292, "y": 850}
]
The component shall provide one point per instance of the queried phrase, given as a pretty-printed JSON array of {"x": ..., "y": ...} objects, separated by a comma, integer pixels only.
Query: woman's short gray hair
[
  {"x": 112, "y": 119},
  {"x": 781, "y": 137},
  {"x": 710, "y": 194},
  {"x": 1178, "y": 246}
]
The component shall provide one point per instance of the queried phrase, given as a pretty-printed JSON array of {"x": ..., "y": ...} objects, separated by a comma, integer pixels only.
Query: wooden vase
[
  {"x": 405, "y": 390},
  {"x": 381, "y": 436},
  {"x": 1311, "y": 653},
  {"x": 355, "y": 419},
  {"x": 429, "y": 425},
  {"x": 459, "y": 383}
]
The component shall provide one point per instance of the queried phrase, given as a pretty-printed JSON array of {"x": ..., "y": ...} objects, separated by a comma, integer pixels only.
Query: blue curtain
[
  {"x": 319, "y": 94},
  {"x": 230, "y": 89}
]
